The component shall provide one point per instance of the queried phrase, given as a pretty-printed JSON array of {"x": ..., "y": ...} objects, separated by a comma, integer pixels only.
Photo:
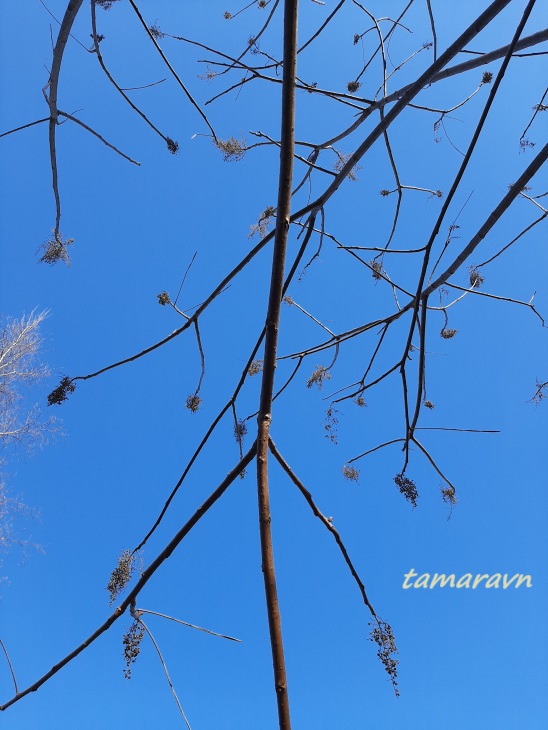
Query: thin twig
[
  {"x": 433, "y": 27},
  {"x": 431, "y": 460},
  {"x": 502, "y": 250},
  {"x": 10, "y": 666},
  {"x": 136, "y": 616},
  {"x": 143, "y": 580},
  {"x": 307, "y": 495},
  {"x": 96, "y": 134},
  {"x": 25, "y": 126},
  {"x": 185, "y": 623},
  {"x": 172, "y": 70},
  {"x": 52, "y": 88},
  {"x": 97, "y": 48}
]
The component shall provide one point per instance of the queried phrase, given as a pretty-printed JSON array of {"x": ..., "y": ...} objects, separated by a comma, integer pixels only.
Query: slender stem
[
  {"x": 143, "y": 580},
  {"x": 264, "y": 418},
  {"x": 53, "y": 84},
  {"x": 10, "y": 666}
]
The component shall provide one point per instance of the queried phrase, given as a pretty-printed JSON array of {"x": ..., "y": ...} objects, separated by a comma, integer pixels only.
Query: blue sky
[{"x": 468, "y": 658}]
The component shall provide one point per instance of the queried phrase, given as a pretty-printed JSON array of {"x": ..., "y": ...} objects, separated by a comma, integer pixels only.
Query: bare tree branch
[{"x": 143, "y": 580}]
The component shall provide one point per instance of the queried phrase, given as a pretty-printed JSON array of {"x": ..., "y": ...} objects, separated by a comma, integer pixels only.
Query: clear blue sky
[{"x": 468, "y": 658}]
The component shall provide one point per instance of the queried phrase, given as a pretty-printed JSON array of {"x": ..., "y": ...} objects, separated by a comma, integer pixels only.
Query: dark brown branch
[
  {"x": 538, "y": 107},
  {"x": 51, "y": 97},
  {"x": 137, "y": 617},
  {"x": 10, "y": 666},
  {"x": 483, "y": 59},
  {"x": 25, "y": 126},
  {"x": 181, "y": 479},
  {"x": 322, "y": 26},
  {"x": 421, "y": 369},
  {"x": 376, "y": 448},
  {"x": 498, "y": 298},
  {"x": 172, "y": 70},
  {"x": 232, "y": 400},
  {"x": 492, "y": 219},
  {"x": 435, "y": 466},
  {"x": 185, "y": 623},
  {"x": 396, "y": 178},
  {"x": 96, "y": 134},
  {"x": 214, "y": 294},
  {"x": 454, "y": 187},
  {"x": 516, "y": 238},
  {"x": 202, "y": 358},
  {"x": 308, "y": 496},
  {"x": 264, "y": 418},
  {"x": 144, "y": 86},
  {"x": 97, "y": 48},
  {"x": 426, "y": 78},
  {"x": 59, "y": 23},
  {"x": 259, "y": 34},
  {"x": 459, "y": 430},
  {"x": 495, "y": 215},
  {"x": 409, "y": 93},
  {"x": 433, "y": 27},
  {"x": 143, "y": 580}
]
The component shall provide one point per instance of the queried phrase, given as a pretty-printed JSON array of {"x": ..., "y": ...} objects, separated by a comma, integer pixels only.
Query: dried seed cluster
[
  {"x": 193, "y": 402},
  {"x": 320, "y": 374},
  {"x": 55, "y": 249},
  {"x": 407, "y": 488},
  {"x": 132, "y": 646},
  {"x": 60, "y": 394},
  {"x": 383, "y": 636},
  {"x": 350, "y": 473},
  {"x": 121, "y": 575}
]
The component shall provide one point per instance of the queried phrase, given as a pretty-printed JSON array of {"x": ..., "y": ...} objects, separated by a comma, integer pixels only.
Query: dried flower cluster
[
  {"x": 383, "y": 636},
  {"x": 193, "y": 402},
  {"x": 449, "y": 495},
  {"x": 476, "y": 279},
  {"x": 350, "y": 473},
  {"x": 526, "y": 144},
  {"x": 121, "y": 575},
  {"x": 540, "y": 395},
  {"x": 60, "y": 394},
  {"x": 376, "y": 269},
  {"x": 106, "y": 4},
  {"x": 240, "y": 430},
  {"x": 320, "y": 374},
  {"x": 353, "y": 86},
  {"x": 342, "y": 159},
  {"x": 55, "y": 249},
  {"x": 331, "y": 425},
  {"x": 263, "y": 224},
  {"x": 407, "y": 488},
  {"x": 448, "y": 333},
  {"x": 233, "y": 149},
  {"x": 163, "y": 298},
  {"x": 172, "y": 146},
  {"x": 132, "y": 645},
  {"x": 155, "y": 32},
  {"x": 255, "y": 368}
]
